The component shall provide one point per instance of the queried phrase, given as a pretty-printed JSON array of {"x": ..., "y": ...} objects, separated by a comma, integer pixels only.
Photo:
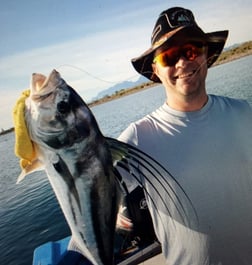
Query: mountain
[
  {"x": 231, "y": 46},
  {"x": 123, "y": 85}
]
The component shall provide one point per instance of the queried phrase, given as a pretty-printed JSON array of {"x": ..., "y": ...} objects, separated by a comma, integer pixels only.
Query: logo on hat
[
  {"x": 183, "y": 19},
  {"x": 179, "y": 17}
]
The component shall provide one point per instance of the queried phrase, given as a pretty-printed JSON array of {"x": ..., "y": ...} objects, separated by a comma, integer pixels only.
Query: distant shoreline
[
  {"x": 6, "y": 131},
  {"x": 238, "y": 52},
  {"x": 122, "y": 93}
]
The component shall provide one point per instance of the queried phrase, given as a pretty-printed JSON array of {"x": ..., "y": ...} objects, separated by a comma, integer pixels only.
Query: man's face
[{"x": 182, "y": 69}]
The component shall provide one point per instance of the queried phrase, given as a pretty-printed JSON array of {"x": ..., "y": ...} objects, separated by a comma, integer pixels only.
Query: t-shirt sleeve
[{"x": 129, "y": 135}]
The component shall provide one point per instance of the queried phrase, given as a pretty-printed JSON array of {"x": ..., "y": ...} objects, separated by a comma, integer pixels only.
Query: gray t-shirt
[{"x": 209, "y": 152}]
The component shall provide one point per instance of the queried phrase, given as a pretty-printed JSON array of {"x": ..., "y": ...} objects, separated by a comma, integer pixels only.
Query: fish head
[{"x": 56, "y": 115}]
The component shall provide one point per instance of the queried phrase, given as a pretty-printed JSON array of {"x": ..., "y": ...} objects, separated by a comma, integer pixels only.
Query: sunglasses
[{"x": 190, "y": 51}]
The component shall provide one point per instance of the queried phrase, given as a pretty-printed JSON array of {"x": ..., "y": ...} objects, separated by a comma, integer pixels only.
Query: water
[{"x": 29, "y": 212}]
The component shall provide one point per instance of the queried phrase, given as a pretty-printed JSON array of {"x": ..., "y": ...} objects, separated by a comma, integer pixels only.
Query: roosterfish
[{"x": 83, "y": 166}]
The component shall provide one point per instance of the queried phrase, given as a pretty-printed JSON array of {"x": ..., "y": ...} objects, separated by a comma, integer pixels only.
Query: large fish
[{"x": 82, "y": 166}]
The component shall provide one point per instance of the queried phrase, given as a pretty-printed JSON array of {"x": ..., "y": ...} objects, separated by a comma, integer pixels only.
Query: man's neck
[{"x": 187, "y": 105}]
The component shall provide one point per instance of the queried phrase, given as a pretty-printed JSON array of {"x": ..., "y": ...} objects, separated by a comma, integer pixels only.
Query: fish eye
[{"x": 63, "y": 107}]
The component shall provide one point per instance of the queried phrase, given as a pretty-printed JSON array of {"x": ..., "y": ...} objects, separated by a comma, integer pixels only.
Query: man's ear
[{"x": 154, "y": 68}]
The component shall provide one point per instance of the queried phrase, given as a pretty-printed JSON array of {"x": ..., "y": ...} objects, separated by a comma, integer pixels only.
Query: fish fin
[
  {"x": 61, "y": 167},
  {"x": 73, "y": 246},
  {"x": 35, "y": 165},
  {"x": 152, "y": 176},
  {"x": 119, "y": 150}
]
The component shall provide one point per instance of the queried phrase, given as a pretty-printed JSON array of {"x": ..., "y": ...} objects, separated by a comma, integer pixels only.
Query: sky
[{"x": 91, "y": 42}]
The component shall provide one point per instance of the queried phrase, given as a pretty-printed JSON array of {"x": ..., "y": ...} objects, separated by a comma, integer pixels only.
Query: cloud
[
  {"x": 89, "y": 64},
  {"x": 97, "y": 54},
  {"x": 226, "y": 15}
]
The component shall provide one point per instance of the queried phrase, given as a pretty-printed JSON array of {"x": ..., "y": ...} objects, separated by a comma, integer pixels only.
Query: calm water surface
[{"x": 29, "y": 212}]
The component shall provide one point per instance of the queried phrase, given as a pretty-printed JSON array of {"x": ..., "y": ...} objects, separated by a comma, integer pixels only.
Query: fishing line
[
  {"x": 201, "y": 65},
  {"x": 94, "y": 76}
]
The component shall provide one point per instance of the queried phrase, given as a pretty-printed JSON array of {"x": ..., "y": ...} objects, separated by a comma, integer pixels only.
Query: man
[{"x": 205, "y": 142}]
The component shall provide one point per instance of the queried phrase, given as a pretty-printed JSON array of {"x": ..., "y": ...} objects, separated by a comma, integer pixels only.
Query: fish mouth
[
  {"x": 56, "y": 132},
  {"x": 39, "y": 96},
  {"x": 44, "y": 134}
]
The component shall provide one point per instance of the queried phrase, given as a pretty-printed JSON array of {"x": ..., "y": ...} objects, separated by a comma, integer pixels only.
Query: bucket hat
[{"x": 174, "y": 25}]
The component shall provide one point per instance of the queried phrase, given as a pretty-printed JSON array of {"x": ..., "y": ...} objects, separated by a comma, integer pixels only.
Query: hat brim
[{"x": 215, "y": 41}]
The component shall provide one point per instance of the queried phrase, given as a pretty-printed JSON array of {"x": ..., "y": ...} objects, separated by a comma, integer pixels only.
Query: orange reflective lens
[{"x": 170, "y": 57}]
